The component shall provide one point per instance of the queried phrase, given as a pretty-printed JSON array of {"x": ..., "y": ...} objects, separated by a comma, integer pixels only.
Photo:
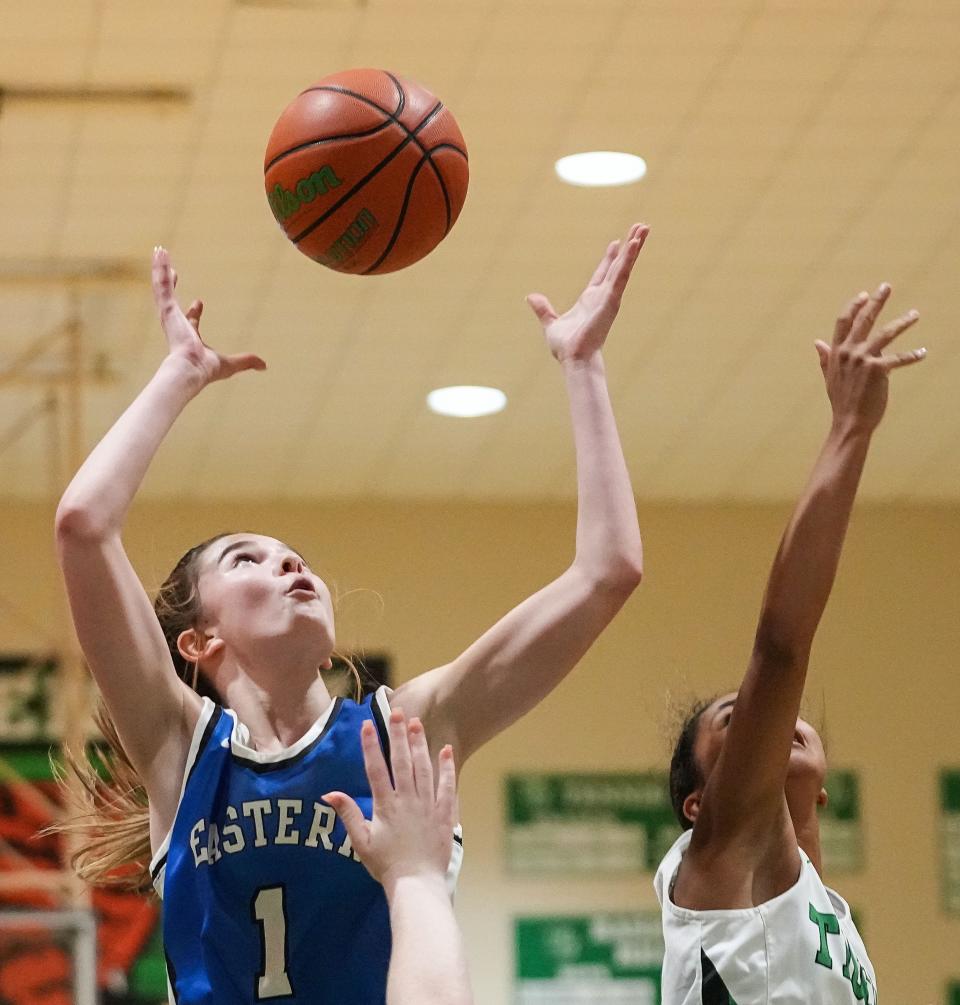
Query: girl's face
[
  {"x": 255, "y": 589},
  {"x": 807, "y": 757}
]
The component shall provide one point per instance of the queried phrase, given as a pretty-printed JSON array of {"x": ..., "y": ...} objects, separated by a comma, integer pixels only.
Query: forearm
[
  {"x": 806, "y": 563},
  {"x": 608, "y": 534},
  {"x": 428, "y": 965},
  {"x": 97, "y": 499}
]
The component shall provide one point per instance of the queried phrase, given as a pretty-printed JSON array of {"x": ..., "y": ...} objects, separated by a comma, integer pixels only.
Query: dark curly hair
[{"x": 685, "y": 774}]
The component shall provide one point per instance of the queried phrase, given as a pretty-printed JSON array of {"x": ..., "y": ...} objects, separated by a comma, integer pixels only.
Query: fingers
[
  {"x": 163, "y": 278},
  {"x": 882, "y": 339},
  {"x": 376, "y": 766},
  {"x": 542, "y": 308},
  {"x": 358, "y": 827},
  {"x": 867, "y": 314},
  {"x": 447, "y": 787},
  {"x": 600, "y": 273},
  {"x": 242, "y": 361},
  {"x": 845, "y": 321},
  {"x": 856, "y": 322},
  {"x": 900, "y": 359},
  {"x": 420, "y": 758},
  {"x": 620, "y": 270},
  {"x": 193, "y": 314},
  {"x": 618, "y": 254},
  {"x": 823, "y": 351},
  {"x": 400, "y": 753}
]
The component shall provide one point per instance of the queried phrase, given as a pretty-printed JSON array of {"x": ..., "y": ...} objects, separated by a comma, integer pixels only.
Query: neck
[
  {"x": 278, "y": 712},
  {"x": 806, "y": 825}
]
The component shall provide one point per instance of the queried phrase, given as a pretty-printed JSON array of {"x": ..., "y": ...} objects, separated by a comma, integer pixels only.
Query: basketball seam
[
  {"x": 440, "y": 179},
  {"x": 392, "y": 116},
  {"x": 400, "y": 91},
  {"x": 362, "y": 97},
  {"x": 427, "y": 158},
  {"x": 400, "y": 217},
  {"x": 327, "y": 139},
  {"x": 375, "y": 170}
]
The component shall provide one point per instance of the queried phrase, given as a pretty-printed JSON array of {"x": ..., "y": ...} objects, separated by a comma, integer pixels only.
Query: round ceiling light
[
  {"x": 466, "y": 401},
  {"x": 601, "y": 167}
]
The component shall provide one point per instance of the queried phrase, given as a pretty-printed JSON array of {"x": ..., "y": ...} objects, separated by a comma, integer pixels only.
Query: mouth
[{"x": 302, "y": 585}]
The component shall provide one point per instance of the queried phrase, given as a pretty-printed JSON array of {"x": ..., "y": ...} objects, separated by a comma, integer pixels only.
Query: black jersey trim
[
  {"x": 159, "y": 866},
  {"x": 712, "y": 989},
  {"x": 171, "y": 977},
  {"x": 382, "y": 730},
  {"x": 263, "y": 767},
  {"x": 204, "y": 740},
  {"x": 381, "y": 724},
  {"x": 458, "y": 838}
]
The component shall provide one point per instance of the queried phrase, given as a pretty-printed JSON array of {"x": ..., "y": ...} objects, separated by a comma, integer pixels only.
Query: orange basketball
[{"x": 366, "y": 172}]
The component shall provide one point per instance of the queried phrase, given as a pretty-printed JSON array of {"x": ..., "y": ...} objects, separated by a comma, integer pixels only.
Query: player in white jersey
[
  {"x": 406, "y": 847},
  {"x": 746, "y": 916}
]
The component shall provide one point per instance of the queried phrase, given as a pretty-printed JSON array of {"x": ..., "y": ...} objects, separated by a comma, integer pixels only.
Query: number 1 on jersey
[{"x": 270, "y": 910}]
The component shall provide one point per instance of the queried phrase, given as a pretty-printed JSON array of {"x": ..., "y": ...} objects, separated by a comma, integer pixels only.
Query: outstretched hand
[
  {"x": 411, "y": 833},
  {"x": 854, "y": 367},
  {"x": 183, "y": 329},
  {"x": 581, "y": 332}
]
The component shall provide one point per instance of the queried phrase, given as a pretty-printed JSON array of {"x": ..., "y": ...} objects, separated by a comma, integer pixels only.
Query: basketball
[{"x": 366, "y": 172}]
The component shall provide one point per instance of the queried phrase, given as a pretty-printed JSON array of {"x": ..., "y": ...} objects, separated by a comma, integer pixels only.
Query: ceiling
[{"x": 797, "y": 151}]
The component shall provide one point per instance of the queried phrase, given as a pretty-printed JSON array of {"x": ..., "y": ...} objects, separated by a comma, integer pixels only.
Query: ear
[
  {"x": 195, "y": 646},
  {"x": 822, "y": 798},
  {"x": 691, "y": 805},
  {"x": 327, "y": 664}
]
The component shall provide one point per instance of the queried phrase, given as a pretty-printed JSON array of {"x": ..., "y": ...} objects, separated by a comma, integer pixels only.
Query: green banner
[
  {"x": 950, "y": 838},
  {"x": 597, "y": 959},
  {"x": 841, "y": 831},
  {"x": 27, "y": 683},
  {"x": 588, "y": 823}
]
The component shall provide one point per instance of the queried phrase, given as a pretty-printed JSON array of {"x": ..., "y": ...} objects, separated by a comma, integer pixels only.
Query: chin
[{"x": 805, "y": 765}]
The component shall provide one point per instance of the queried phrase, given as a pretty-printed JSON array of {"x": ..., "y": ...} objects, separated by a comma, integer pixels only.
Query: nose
[{"x": 291, "y": 563}]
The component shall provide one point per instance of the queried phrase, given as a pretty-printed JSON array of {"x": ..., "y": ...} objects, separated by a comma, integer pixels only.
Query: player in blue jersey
[{"x": 225, "y": 721}]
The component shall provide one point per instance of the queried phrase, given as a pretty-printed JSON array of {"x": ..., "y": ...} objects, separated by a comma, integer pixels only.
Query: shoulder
[{"x": 669, "y": 867}]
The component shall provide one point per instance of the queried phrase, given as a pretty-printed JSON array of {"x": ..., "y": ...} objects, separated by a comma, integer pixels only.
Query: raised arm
[
  {"x": 114, "y": 619},
  {"x": 743, "y": 807},
  {"x": 406, "y": 847},
  {"x": 518, "y": 661}
]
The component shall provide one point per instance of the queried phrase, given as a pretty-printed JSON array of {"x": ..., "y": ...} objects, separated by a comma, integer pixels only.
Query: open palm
[
  {"x": 183, "y": 329},
  {"x": 583, "y": 329}
]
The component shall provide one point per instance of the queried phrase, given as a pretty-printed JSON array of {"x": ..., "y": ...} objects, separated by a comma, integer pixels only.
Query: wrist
[
  {"x": 590, "y": 364},
  {"x": 418, "y": 884},
  {"x": 846, "y": 428},
  {"x": 181, "y": 373}
]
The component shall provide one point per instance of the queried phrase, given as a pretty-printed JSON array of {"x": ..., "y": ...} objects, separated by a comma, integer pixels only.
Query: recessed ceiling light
[
  {"x": 466, "y": 401},
  {"x": 601, "y": 167}
]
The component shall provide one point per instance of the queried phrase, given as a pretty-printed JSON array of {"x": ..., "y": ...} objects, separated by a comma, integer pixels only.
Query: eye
[{"x": 243, "y": 556}]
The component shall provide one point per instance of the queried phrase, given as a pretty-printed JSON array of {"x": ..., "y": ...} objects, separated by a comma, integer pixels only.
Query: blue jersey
[{"x": 264, "y": 896}]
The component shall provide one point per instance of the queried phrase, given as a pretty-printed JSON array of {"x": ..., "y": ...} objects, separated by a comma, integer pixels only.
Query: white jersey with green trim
[{"x": 798, "y": 948}]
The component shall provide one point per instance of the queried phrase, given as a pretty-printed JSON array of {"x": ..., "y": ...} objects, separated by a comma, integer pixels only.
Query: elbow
[
  {"x": 78, "y": 523},
  {"x": 619, "y": 578},
  {"x": 776, "y": 647},
  {"x": 628, "y": 569},
  {"x": 630, "y": 573}
]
